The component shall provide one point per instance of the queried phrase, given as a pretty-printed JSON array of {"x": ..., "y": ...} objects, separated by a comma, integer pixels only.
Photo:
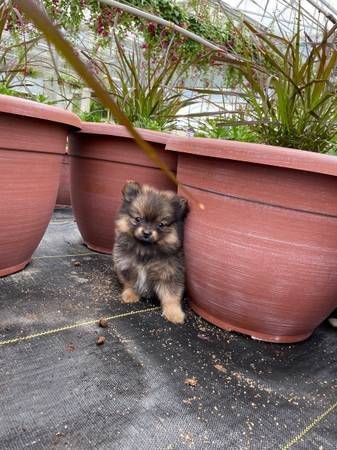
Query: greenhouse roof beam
[
  {"x": 330, "y": 14},
  {"x": 330, "y": 8},
  {"x": 315, "y": 22},
  {"x": 237, "y": 14}
]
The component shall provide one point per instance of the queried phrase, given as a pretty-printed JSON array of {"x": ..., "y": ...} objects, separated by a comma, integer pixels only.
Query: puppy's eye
[
  {"x": 137, "y": 219},
  {"x": 161, "y": 225}
]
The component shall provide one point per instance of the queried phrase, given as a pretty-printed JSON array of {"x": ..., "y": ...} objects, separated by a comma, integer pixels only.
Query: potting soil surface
[{"x": 151, "y": 384}]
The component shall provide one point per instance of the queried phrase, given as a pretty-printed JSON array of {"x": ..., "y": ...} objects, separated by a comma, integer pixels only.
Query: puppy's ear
[
  {"x": 131, "y": 190},
  {"x": 180, "y": 206}
]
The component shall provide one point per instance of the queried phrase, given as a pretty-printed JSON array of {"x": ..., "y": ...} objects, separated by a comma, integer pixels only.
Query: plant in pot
[
  {"x": 262, "y": 257},
  {"x": 104, "y": 156},
  {"x": 32, "y": 142}
]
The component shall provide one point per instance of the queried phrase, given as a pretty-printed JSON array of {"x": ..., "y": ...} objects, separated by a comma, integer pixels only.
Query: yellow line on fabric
[
  {"x": 74, "y": 325},
  {"x": 71, "y": 256},
  {"x": 60, "y": 222},
  {"x": 311, "y": 425}
]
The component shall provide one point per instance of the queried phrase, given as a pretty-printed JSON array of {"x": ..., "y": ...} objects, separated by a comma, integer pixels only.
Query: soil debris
[
  {"x": 100, "y": 340},
  {"x": 187, "y": 439},
  {"x": 57, "y": 438},
  {"x": 70, "y": 347},
  {"x": 103, "y": 323},
  {"x": 220, "y": 368},
  {"x": 191, "y": 381},
  {"x": 77, "y": 263}
]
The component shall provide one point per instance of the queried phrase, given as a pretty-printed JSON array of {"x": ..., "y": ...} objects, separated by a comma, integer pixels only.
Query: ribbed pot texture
[
  {"x": 63, "y": 194},
  {"x": 262, "y": 257}
]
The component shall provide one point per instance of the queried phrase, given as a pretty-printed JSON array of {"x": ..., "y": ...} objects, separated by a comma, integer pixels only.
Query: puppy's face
[{"x": 152, "y": 217}]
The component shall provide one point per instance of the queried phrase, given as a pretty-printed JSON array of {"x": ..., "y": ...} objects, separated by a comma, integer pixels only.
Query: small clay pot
[
  {"x": 32, "y": 143},
  {"x": 103, "y": 158},
  {"x": 262, "y": 257}
]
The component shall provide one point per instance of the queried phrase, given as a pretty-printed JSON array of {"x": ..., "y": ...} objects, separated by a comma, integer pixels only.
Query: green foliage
[
  {"x": 91, "y": 116},
  {"x": 70, "y": 80},
  {"x": 158, "y": 37},
  {"x": 291, "y": 99},
  {"x": 333, "y": 149},
  {"x": 198, "y": 16},
  {"x": 294, "y": 104},
  {"x": 214, "y": 128},
  {"x": 104, "y": 20},
  {"x": 96, "y": 114},
  {"x": 6, "y": 91},
  {"x": 180, "y": 15},
  {"x": 72, "y": 14},
  {"x": 14, "y": 93},
  {"x": 149, "y": 124},
  {"x": 147, "y": 90}
]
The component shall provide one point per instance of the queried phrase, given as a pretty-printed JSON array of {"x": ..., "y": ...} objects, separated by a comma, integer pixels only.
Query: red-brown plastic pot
[
  {"x": 32, "y": 142},
  {"x": 103, "y": 158},
  {"x": 63, "y": 199},
  {"x": 262, "y": 257}
]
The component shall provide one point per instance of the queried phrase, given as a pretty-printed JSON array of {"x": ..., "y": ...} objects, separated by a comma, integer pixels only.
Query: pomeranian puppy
[{"x": 148, "y": 252}]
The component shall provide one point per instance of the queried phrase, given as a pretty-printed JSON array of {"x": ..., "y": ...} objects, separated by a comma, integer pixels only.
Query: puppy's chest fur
[{"x": 149, "y": 269}]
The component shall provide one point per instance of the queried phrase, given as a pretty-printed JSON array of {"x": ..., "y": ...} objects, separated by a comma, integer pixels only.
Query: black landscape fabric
[{"x": 151, "y": 384}]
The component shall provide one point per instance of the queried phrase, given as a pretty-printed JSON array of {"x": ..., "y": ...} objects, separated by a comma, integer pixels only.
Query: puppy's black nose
[{"x": 147, "y": 234}]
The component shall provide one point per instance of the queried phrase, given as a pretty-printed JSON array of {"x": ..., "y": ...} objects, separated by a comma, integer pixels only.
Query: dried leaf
[
  {"x": 103, "y": 323},
  {"x": 191, "y": 381},
  {"x": 100, "y": 340},
  {"x": 220, "y": 368}
]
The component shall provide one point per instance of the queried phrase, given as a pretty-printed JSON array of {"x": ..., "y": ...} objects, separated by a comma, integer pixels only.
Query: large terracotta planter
[
  {"x": 32, "y": 142},
  {"x": 262, "y": 257},
  {"x": 103, "y": 158}
]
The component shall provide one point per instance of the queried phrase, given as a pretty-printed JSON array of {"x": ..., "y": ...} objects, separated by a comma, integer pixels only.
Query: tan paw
[
  {"x": 174, "y": 314},
  {"x": 129, "y": 296}
]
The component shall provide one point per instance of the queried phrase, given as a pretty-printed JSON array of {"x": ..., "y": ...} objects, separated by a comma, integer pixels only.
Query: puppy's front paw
[
  {"x": 333, "y": 322},
  {"x": 174, "y": 314},
  {"x": 129, "y": 296}
]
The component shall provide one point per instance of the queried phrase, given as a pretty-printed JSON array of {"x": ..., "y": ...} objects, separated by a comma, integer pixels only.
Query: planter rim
[
  {"x": 108, "y": 129},
  {"x": 263, "y": 154},
  {"x": 28, "y": 108}
]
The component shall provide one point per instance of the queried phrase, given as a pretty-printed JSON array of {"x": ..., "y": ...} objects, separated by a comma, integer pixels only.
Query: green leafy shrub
[
  {"x": 148, "y": 90},
  {"x": 294, "y": 103},
  {"x": 91, "y": 116},
  {"x": 290, "y": 91},
  {"x": 214, "y": 128}
]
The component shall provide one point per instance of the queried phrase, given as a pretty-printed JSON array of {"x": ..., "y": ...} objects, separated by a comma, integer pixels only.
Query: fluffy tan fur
[{"x": 148, "y": 253}]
